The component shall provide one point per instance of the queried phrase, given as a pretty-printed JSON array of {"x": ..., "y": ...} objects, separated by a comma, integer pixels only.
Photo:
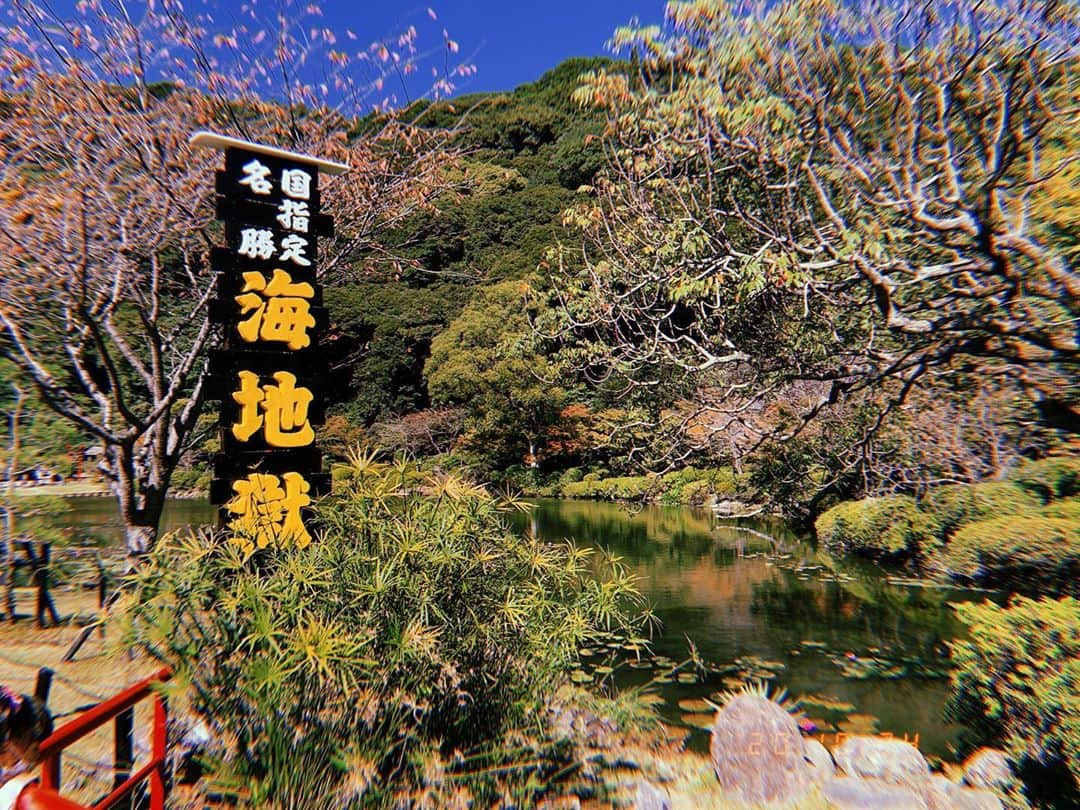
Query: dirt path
[{"x": 97, "y": 673}]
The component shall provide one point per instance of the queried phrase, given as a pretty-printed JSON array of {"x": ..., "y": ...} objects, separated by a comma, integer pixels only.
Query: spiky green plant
[{"x": 417, "y": 628}]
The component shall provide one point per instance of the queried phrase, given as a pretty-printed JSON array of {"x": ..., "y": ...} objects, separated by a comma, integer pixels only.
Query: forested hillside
[
  {"x": 521, "y": 159},
  {"x": 539, "y": 320}
]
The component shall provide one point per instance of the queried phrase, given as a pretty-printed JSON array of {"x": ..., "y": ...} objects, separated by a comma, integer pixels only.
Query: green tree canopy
[
  {"x": 483, "y": 362},
  {"x": 821, "y": 201}
]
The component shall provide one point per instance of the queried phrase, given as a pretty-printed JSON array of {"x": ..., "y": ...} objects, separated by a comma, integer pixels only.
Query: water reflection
[
  {"x": 96, "y": 521},
  {"x": 755, "y": 590}
]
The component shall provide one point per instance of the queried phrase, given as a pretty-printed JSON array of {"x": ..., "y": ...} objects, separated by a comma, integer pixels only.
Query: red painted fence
[{"x": 120, "y": 710}]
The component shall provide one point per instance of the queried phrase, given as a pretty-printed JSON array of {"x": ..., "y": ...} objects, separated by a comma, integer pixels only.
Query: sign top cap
[{"x": 212, "y": 140}]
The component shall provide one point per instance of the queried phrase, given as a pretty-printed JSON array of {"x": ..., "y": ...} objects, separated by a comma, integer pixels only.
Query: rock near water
[
  {"x": 851, "y": 793},
  {"x": 988, "y": 768},
  {"x": 941, "y": 793},
  {"x": 976, "y": 799},
  {"x": 822, "y": 767},
  {"x": 757, "y": 751},
  {"x": 892, "y": 761},
  {"x": 650, "y": 797}
]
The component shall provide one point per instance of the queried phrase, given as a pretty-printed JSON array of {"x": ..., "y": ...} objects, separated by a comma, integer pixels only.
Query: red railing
[{"x": 120, "y": 709}]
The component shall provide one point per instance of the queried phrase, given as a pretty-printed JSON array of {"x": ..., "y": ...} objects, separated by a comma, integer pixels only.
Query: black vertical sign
[{"x": 270, "y": 372}]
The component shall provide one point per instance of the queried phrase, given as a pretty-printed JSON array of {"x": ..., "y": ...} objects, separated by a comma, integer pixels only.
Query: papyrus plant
[{"x": 416, "y": 627}]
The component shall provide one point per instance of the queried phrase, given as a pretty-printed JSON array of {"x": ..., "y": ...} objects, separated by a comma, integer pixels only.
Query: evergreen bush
[
  {"x": 695, "y": 493},
  {"x": 875, "y": 527},
  {"x": 1031, "y": 554},
  {"x": 1066, "y": 509},
  {"x": 687, "y": 486},
  {"x": 1017, "y": 682},
  {"x": 1050, "y": 478},
  {"x": 955, "y": 506}
]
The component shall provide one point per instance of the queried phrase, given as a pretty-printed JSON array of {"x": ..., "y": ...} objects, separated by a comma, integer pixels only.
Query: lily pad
[
  {"x": 695, "y": 705},
  {"x": 650, "y": 698},
  {"x": 827, "y": 703},
  {"x": 759, "y": 675},
  {"x": 687, "y": 677},
  {"x": 753, "y": 665},
  {"x": 724, "y": 669},
  {"x": 861, "y": 669},
  {"x": 699, "y": 720},
  {"x": 579, "y": 676},
  {"x": 859, "y": 724}
]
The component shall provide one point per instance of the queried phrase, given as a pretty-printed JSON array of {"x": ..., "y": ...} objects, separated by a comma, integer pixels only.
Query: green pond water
[{"x": 864, "y": 653}]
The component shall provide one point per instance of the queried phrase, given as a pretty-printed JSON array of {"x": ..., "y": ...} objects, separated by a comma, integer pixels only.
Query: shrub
[
  {"x": 1031, "y": 553},
  {"x": 191, "y": 480},
  {"x": 952, "y": 507},
  {"x": 900, "y": 526},
  {"x": 1066, "y": 509},
  {"x": 571, "y": 476},
  {"x": 1017, "y": 678},
  {"x": 673, "y": 483},
  {"x": 876, "y": 527},
  {"x": 695, "y": 493},
  {"x": 626, "y": 488},
  {"x": 629, "y": 488},
  {"x": 580, "y": 489},
  {"x": 391, "y": 655},
  {"x": 1050, "y": 478},
  {"x": 726, "y": 482},
  {"x": 693, "y": 486}
]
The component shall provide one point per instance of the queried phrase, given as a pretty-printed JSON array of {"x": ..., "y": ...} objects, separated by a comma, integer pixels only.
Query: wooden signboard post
[{"x": 269, "y": 374}]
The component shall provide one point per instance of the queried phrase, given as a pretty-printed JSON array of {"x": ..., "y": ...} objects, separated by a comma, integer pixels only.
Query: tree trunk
[
  {"x": 140, "y": 504},
  {"x": 736, "y": 457},
  {"x": 139, "y": 538}
]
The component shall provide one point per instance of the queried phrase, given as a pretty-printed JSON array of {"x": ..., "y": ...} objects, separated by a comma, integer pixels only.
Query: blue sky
[{"x": 509, "y": 41}]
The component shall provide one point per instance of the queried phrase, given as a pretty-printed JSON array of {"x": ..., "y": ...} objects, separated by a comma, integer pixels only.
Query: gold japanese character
[
  {"x": 249, "y": 398},
  {"x": 267, "y": 510},
  {"x": 280, "y": 309},
  {"x": 281, "y": 410}
]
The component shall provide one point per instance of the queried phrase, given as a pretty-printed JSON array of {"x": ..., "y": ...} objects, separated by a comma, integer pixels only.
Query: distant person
[{"x": 24, "y": 724}]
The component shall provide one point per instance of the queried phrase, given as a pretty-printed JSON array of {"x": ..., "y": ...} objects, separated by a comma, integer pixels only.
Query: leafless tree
[{"x": 106, "y": 221}]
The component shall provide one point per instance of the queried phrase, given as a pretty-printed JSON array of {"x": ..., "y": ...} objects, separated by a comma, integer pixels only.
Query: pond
[
  {"x": 757, "y": 601},
  {"x": 864, "y": 652}
]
